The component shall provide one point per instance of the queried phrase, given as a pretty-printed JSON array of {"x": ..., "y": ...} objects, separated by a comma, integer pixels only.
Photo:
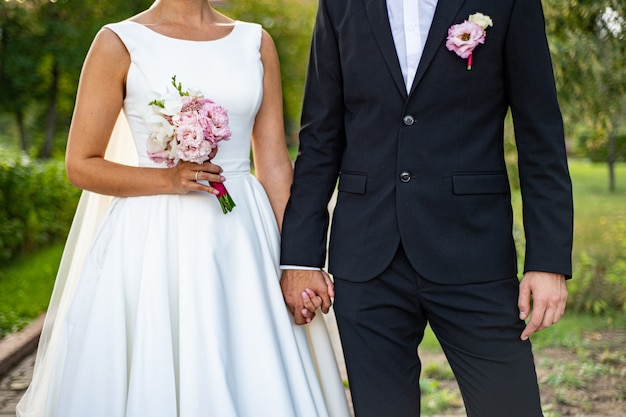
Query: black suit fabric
[
  {"x": 362, "y": 129},
  {"x": 382, "y": 321},
  {"x": 422, "y": 227}
]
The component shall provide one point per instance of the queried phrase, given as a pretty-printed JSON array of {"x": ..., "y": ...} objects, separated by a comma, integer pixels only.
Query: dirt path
[{"x": 587, "y": 379}]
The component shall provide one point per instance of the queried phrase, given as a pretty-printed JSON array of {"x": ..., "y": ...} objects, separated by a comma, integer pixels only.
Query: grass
[
  {"x": 567, "y": 332},
  {"x": 590, "y": 359},
  {"x": 26, "y": 286},
  {"x": 598, "y": 212},
  {"x": 572, "y": 328},
  {"x": 436, "y": 399}
]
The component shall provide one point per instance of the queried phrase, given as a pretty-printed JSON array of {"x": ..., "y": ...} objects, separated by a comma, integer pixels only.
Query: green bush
[
  {"x": 37, "y": 204},
  {"x": 600, "y": 284},
  {"x": 592, "y": 144}
]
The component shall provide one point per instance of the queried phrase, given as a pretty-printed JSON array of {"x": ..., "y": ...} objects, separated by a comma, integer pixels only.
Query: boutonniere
[{"x": 464, "y": 37}]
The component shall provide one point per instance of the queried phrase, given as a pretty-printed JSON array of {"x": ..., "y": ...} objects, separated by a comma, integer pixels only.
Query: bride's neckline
[{"x": 234, "y": 26}]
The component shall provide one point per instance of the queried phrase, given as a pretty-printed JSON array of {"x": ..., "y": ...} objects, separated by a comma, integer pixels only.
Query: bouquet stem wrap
[{"x": 226, "y": 201}]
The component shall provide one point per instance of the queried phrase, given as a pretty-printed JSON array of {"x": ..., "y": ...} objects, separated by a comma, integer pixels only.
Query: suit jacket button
[
  {"x": 408, "y": 120},
  {"x": 405, "y": 176}
]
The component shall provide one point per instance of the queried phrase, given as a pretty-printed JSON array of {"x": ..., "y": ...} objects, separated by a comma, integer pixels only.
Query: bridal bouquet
[{"x": 186, "y": 126}]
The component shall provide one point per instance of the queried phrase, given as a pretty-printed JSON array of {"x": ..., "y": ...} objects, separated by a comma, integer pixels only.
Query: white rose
[
  {"x": 195, "y": 93},
  {"x": 481, "y": 20},
  {"x": 171, "y": 105},
  {"x": 157, "y": 124}
]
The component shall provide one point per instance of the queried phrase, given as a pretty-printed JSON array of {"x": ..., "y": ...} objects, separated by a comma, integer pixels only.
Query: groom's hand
[
  {"x": 295, "y": 283},
  {"x": 549, "y": 295}
]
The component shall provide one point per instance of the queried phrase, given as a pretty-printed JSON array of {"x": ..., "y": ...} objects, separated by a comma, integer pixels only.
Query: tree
[
  {"x": 18, "y": 75},
  {"x": 71, "y": 23},
  {"x": 589, "y": 50},
  {"x": 290, "y": 22},
  {"x": 43, "y": 45}
]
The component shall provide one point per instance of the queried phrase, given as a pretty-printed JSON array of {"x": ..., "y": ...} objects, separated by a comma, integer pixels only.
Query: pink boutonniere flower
[{"x": 464, "y": 37}]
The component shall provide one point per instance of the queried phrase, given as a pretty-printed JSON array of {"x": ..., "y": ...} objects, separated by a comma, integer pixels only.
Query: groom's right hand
[{"x": 295, "y": 282}]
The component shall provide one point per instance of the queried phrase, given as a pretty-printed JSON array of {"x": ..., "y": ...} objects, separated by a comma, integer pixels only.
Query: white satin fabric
[{"x": 164, "y": 306}]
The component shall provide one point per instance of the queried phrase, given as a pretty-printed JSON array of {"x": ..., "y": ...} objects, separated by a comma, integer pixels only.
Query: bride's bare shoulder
[
  {"x": 107, "y": 60},
  {"x": 109, "y": 44}
]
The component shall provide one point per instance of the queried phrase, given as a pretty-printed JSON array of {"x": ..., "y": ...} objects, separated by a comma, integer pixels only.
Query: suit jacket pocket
[
  {"x": 480, "y": 183},
  {"x": 352, "y": 182}
]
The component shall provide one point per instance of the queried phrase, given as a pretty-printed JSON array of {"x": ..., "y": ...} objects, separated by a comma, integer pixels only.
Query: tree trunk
[
  {"x": 19, "y": 118},
  {"x": 51, "y": 114},
  {"x": 611, "y": 160}
]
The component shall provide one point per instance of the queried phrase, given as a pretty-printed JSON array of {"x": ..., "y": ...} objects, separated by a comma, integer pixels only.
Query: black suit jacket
[{"x": 453, "y": 215}]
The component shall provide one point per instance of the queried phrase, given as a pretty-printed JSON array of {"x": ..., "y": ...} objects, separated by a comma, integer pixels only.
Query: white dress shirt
[{"x": 410, "y": 22}]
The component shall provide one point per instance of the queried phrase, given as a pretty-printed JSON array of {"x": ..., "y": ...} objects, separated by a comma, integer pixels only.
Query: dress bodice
[{"x": 227, "y": 70}]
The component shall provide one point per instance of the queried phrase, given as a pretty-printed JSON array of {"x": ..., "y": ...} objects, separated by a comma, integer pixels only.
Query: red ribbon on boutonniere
[{"x": 464, "y": 37}]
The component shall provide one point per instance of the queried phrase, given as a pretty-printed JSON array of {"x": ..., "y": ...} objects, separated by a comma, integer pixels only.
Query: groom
[{"x": 411, "y": 133}]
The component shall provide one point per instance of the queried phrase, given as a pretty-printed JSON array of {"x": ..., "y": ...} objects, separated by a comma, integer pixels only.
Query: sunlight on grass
[
  {"x": 437, "y": 399},
  {"x": 571, "y": 329},
  {"x": 597, "y": 211},
  {"x": 25, "y": 288},
  {"x": 568, "y": 332}
]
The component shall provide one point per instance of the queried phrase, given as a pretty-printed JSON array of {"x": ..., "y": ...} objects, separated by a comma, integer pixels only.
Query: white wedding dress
[{"x": 170, "y": 308}]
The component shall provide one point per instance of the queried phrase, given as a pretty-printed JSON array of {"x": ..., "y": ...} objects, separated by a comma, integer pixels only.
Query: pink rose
[
  {"x": 184, "y": 118},
  {"x": 464, "y": 37},
  {"x": 214, "y": 121},
  {"x": 191, "y": 144}
]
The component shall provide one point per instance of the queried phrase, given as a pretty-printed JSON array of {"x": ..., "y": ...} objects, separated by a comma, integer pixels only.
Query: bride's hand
[
  {"x": 312, "y": 301},
  {"x": 185, "y": 176}
]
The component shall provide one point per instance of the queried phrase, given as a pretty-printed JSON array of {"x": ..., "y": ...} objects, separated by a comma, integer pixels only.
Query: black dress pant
[{"x": 381, "y": 323}]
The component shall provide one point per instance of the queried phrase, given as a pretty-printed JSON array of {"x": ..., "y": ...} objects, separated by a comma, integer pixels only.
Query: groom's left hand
[{"x": 549, "y": 295}]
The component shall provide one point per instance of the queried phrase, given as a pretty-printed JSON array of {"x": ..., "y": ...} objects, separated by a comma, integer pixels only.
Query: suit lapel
[
  {"x": 444, "y": 18},
  {"x": 379, "y": 21}
]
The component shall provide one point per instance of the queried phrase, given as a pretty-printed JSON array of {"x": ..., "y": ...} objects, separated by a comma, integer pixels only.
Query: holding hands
[{"x": 305, "y": 291}]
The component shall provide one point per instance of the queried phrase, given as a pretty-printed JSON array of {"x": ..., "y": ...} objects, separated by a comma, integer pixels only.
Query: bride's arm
[
  {"x": 272, "y": 165},
  {"x": 99, "y": 100}
]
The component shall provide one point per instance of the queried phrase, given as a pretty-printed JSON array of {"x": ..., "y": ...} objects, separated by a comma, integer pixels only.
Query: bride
[{"x": 164, "y": 305}]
